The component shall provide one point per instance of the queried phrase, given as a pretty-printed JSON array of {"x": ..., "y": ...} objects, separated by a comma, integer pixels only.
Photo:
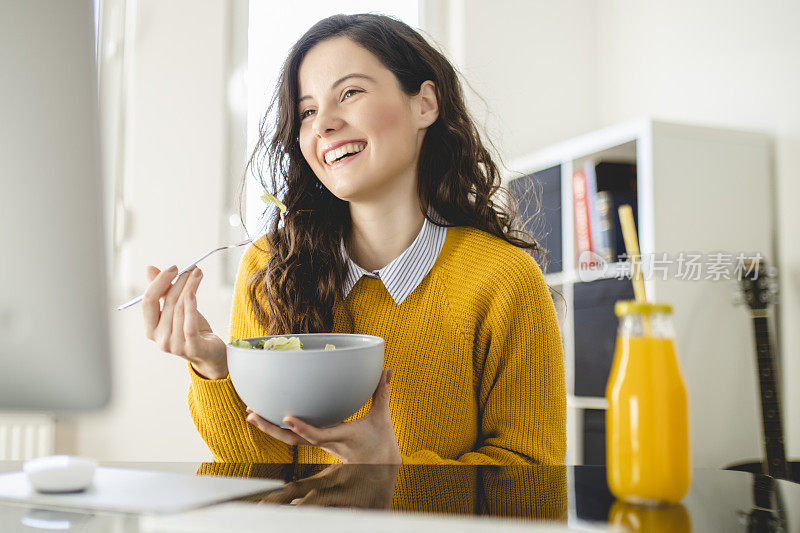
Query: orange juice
[{"x": 647, "y": 422}]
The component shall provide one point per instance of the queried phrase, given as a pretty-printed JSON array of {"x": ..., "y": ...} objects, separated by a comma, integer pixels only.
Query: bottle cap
[{"x": 629, "y": 307}]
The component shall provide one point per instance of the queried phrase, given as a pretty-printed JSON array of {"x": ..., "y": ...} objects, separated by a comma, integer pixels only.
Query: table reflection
[
  {"x": 535, "y": 492},
  {"x": 359, "y": 486},
  {"x": 664, "y": 519},
  {"x": 718, "y": 500}
]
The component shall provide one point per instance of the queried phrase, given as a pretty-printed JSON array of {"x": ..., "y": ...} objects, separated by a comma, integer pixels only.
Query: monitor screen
[{"x": 54, "y": 339}]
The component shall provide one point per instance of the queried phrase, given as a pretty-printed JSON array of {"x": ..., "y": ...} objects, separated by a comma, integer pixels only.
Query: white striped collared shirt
[{"x": 406, "y": 271}]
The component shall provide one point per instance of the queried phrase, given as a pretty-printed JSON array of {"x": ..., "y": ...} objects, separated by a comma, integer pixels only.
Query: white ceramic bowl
[{"x": 320, "y": 387}]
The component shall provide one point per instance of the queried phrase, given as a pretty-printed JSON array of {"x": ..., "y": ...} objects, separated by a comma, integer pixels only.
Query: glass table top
[{"x": 575, "y": 496}]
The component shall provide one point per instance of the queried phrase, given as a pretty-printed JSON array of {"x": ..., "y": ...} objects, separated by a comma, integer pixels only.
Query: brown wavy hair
[{"x": 456, "y": 175}]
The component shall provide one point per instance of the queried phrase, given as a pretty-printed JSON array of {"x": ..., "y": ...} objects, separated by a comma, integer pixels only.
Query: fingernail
[
  {"x": 197, "y": 273},
  {"x": 288, "y": 422},
  {"x": 388, "y": 376},
  {"x": 173, "y": 268}
]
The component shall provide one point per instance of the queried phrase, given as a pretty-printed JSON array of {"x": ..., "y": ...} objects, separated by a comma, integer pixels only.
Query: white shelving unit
[{"x": 700, "y": 190}]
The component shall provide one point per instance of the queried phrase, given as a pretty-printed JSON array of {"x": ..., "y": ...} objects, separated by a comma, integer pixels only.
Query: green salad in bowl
[{"x": 275, "y": 343}]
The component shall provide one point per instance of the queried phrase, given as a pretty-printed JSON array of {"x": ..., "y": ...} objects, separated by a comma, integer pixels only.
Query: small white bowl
[{"x": 320, "y": 387}]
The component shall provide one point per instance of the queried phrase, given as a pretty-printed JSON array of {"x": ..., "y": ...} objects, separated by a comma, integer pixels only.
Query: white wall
[
  {"x": 729, "y": 63},
  {"x": 548, "y": 71},
  {"x": 175, "y": 175},
  {"x": 553, "y": 70}
]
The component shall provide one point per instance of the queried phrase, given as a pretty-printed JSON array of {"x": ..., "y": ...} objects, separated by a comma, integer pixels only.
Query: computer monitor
[{"x": 54, "y": 338}]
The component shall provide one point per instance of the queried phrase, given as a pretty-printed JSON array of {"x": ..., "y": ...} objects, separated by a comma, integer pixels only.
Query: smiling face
[{"x": 350, "y": 103}]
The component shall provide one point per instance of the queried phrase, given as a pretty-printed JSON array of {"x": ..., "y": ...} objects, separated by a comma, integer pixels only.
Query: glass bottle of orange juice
[{"x": 647, "y": 421}]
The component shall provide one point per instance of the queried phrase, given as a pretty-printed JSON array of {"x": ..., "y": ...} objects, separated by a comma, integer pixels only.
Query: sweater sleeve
[
  {"x": 520, "y": 364},
  {"x": 218, "y": 412}
]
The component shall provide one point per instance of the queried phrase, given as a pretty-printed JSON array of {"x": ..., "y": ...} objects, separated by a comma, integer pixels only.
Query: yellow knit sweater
[{"x": 478, "y": 371}]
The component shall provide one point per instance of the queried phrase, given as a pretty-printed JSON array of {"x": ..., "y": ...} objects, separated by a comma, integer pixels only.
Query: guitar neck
[{"x": 770, "y": 401}]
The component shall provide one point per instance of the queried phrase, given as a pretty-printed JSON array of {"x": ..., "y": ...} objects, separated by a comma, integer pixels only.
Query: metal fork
[{"x": 188, "y": 268}]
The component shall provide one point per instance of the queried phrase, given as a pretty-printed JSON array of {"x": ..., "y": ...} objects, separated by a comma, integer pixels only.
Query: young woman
[{"x": 391, "y": 230}]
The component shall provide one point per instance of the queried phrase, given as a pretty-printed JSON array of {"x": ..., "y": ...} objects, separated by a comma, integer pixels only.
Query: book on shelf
[
  {"x": 607, "y": 247},
  {"x": 619, "y": 180},
  {"x": 599, "y": 188},
  {"x": 582, "y": 222}
]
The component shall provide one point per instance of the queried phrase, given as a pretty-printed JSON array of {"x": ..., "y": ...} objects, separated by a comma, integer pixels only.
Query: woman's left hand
[{"x": 368, "y": 440}]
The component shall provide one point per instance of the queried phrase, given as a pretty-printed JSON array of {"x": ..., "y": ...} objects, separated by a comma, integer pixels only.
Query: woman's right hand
[{"x": 178, "y": 327}]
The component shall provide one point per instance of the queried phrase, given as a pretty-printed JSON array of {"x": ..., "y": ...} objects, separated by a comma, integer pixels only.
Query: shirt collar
[{"x": 405, "y": 272}]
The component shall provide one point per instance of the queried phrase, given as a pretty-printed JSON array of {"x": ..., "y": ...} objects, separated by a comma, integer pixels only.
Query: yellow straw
[{"x": 632, "y": 248}]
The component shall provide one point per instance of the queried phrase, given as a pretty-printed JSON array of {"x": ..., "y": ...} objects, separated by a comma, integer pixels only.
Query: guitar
[{"x": 758, "y": 293}]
